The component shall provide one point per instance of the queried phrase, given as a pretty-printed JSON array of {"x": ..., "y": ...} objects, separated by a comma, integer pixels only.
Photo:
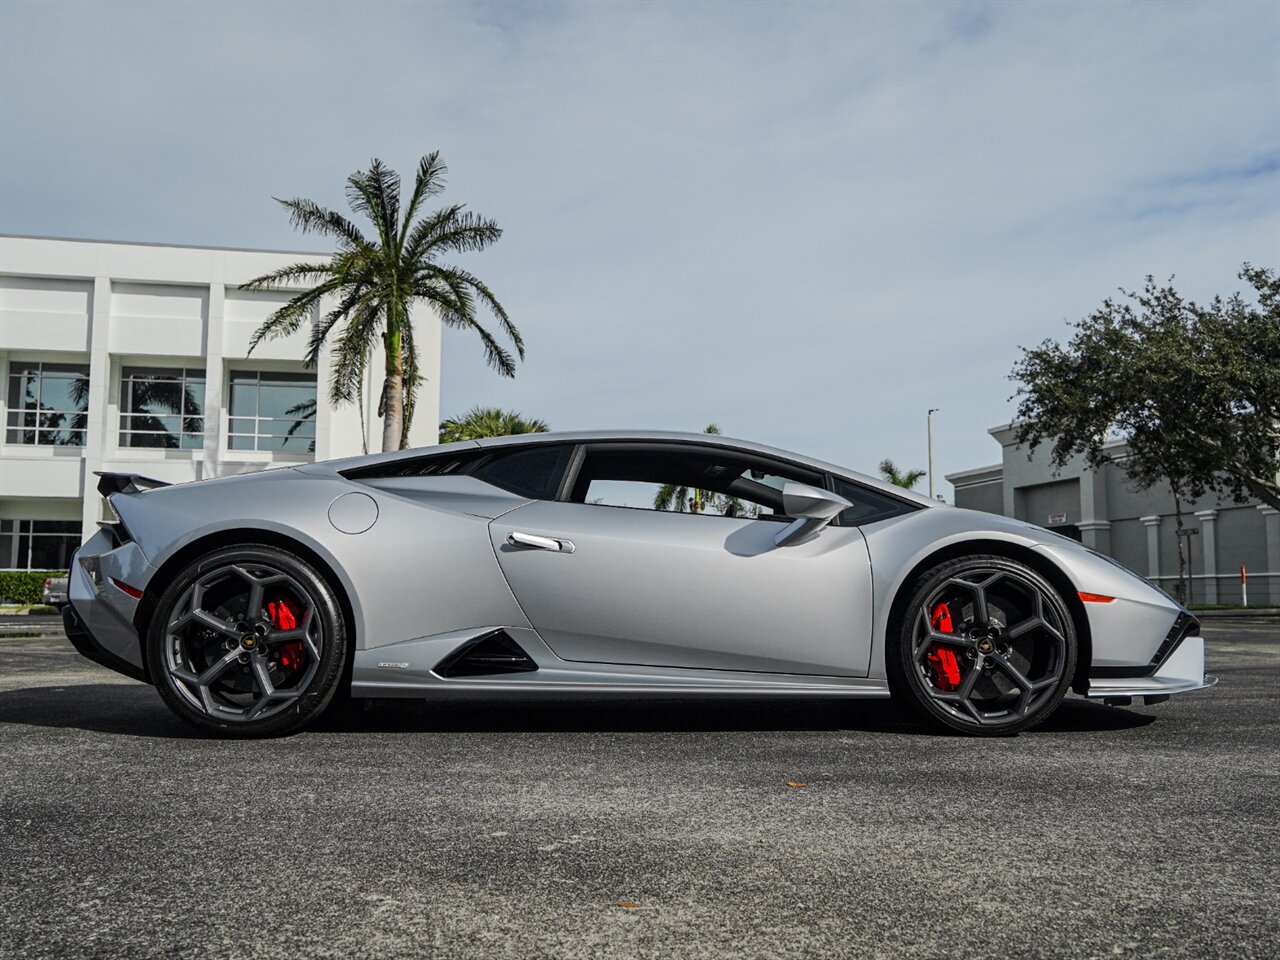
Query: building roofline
[
  {"x": 1106, "y": 444},
  {"x": 980, "y": 474},
  {"x": 152, "y": 243}
]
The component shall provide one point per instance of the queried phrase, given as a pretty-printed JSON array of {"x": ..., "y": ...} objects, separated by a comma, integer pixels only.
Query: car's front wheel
[
  {"x": 986, "y": 646},
  {"x": 247, "y": 642}
]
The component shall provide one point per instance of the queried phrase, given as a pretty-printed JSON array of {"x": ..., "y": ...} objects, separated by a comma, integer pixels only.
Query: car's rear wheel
[
  {"x": 247, "y": 642},
  {"x": 986, "y": 646}
]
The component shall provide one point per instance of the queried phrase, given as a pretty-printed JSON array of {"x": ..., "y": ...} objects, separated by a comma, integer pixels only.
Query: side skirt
[{"x": 409, "y": 669}]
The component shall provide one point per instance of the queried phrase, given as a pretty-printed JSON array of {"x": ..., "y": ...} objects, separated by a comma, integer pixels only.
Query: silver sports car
[{"x": 639, "y": 564}]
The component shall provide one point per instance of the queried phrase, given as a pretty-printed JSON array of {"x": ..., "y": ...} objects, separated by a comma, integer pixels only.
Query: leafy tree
[
  {"x": 900, "y": 478},
  {"x": 480, "y": 422},
  {"x": 1194, "y": 390},
  {"x": 376, "y": 282}
]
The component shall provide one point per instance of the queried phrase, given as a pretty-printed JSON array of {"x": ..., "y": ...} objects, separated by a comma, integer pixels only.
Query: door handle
[{"x": 518, "y": 539}]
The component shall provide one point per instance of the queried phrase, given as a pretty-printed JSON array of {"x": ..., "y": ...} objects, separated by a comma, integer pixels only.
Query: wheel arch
[
  {"x": 1012, "y": 551},
  {"x": 240, "y": 536}
]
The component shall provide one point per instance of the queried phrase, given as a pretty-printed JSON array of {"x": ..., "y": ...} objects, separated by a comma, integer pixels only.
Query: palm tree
[
  {"x": 680, "y": 498},
  {"x": 900, "y": 478},
  {"x": 376, "y": 282},
  {"x": 480, "y": 422}
]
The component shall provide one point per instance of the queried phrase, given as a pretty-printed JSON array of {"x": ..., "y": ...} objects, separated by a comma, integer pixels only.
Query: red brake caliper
[
  {"x": 946, "y": 669},
  {"x": 283, "y": 618}
]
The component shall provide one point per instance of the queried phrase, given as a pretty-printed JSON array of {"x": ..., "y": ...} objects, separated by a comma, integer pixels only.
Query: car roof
[{"x": 635, "y": 436}]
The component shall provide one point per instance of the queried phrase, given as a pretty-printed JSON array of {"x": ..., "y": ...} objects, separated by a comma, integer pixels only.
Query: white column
[
  {"x": 1271, "y": 517},
  {"x": 96, "y": 440},
  {"x": 1153, "y": 546},
  {"x": 1095, "y": 529},
  {"x": 213, "y": 378},
  {"x": 1096, "y": 535},
  {"x": 1209, "y": 548}
]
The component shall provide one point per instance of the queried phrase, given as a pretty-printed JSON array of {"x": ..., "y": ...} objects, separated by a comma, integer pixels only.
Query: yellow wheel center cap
[
  {"x": 248, "y": 641},
  {"x": 986, "y": 646}
]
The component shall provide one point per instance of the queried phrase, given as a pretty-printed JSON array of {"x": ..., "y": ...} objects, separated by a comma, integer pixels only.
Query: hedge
[{"x": 25, "y": 586}]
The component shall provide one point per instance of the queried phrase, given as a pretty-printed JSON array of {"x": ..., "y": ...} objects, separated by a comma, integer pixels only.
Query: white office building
[{"x": 135, "y": 358}]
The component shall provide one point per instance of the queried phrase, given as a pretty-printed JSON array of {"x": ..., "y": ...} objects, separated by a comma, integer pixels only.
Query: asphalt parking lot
[{"x": 517, "y": 830}]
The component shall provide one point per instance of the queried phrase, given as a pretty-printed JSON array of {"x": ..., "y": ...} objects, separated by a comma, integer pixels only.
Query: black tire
[
  {"x": 243, "y": 673},
  {"x": 985, "y": 645}
]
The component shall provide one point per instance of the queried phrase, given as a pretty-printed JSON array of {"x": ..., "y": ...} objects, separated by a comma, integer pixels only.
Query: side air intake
[{"x": 486, "y": 655}]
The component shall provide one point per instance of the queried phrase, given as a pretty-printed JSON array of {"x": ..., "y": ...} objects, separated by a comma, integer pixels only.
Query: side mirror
[{"x": 812, "y": 508}]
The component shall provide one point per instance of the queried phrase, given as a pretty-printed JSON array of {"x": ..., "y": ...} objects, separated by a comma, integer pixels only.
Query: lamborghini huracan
[{"x": 591, "y": 564}]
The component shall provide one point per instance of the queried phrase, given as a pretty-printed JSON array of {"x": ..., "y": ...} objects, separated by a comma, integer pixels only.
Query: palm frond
[
  {"x": 461, "y": 233},
  {"x": 290, "y": 317},
  {"x": 486, "y": 296},
  {"x": 418, "y": 244},
  {"x": 286, "y": 276},
  {"x": 376, "y": 193},
  {"x": 481, "y": 422},
  {"x": 671, "y": 496},
  {"x": 900, "y": 478},
  {"x": 465, "y": 287},
  {"x": 356, "y": 296},
  {"x": 428, "y": 182},
  {"x": 309, "y": 217},
  {"x": 456, "y": 309},
  {"x": 351, "y": 354}
]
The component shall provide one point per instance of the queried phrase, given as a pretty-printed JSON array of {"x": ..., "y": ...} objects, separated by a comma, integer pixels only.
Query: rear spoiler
[{"x": 126, "y": 483}]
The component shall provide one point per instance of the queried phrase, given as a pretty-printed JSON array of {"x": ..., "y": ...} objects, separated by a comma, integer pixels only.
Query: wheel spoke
[
  {"x": 1010, "y": 671},
  {"x": 254, "y": 606},
  {"x": 265, "y": 686},
  {"x": 975, "y": 671},
  {"x": 206, "y": 619},
  {"x": 980, "y": 612},
  {"x": 219, "y": 668},
  {"x": 229, "y": 601},
  {"x": 1026, "y": 625}
]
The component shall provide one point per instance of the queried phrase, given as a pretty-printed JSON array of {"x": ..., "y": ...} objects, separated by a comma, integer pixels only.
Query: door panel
[{"x": 689, "y": 590}]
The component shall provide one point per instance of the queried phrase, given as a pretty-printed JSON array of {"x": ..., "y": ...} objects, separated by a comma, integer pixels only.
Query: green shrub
[{"x": 25, "y": 586}]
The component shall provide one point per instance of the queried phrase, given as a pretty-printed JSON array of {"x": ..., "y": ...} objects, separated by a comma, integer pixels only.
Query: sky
[{"x": 808, "y": 223}]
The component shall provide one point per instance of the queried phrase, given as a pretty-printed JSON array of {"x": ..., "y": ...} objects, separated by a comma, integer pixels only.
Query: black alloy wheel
[
  {"x": 986, "y": 646},
  {"x": 247, "y": 642}
]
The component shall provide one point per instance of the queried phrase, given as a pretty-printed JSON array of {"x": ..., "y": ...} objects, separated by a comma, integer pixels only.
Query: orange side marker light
[{"x": 1096, "y": 597}]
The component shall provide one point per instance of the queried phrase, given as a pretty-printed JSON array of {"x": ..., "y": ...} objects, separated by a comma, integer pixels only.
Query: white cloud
[{"x": 806, "y": 222}]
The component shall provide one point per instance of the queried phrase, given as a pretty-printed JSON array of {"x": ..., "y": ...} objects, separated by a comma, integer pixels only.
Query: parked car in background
[{"x": 55, "y": 591}]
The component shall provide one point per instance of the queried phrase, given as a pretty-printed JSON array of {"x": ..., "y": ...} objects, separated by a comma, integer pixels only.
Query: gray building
[{"x": 1105, "y": 510}]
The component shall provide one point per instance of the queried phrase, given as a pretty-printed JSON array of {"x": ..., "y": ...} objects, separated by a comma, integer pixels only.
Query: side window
[
  {"x": 868, "y": 506},
  {"x": 685, "y": 479},
  {"x": 533, "y": 472}
]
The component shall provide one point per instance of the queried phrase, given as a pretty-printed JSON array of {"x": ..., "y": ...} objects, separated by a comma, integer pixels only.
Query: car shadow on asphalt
[{"x": 134, "y": 709}]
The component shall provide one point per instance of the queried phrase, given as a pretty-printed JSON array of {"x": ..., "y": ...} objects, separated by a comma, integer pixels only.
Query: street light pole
[{"x": 932, "y": 411}]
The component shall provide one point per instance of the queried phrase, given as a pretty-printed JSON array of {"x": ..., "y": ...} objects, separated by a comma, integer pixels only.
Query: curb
[{"x": 1253, "y": 613}]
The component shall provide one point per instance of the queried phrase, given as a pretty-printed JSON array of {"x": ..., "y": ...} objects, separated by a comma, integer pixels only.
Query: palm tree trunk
[{"x": 393, "y": 393}]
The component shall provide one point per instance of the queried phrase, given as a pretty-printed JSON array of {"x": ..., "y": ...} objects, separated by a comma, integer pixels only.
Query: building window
[
  {"x": 38, "y": 544},
  {"x": 47, "y": 403},
  {"x": 272, "y": 411},
  {"x": 161, "y": 408}
]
